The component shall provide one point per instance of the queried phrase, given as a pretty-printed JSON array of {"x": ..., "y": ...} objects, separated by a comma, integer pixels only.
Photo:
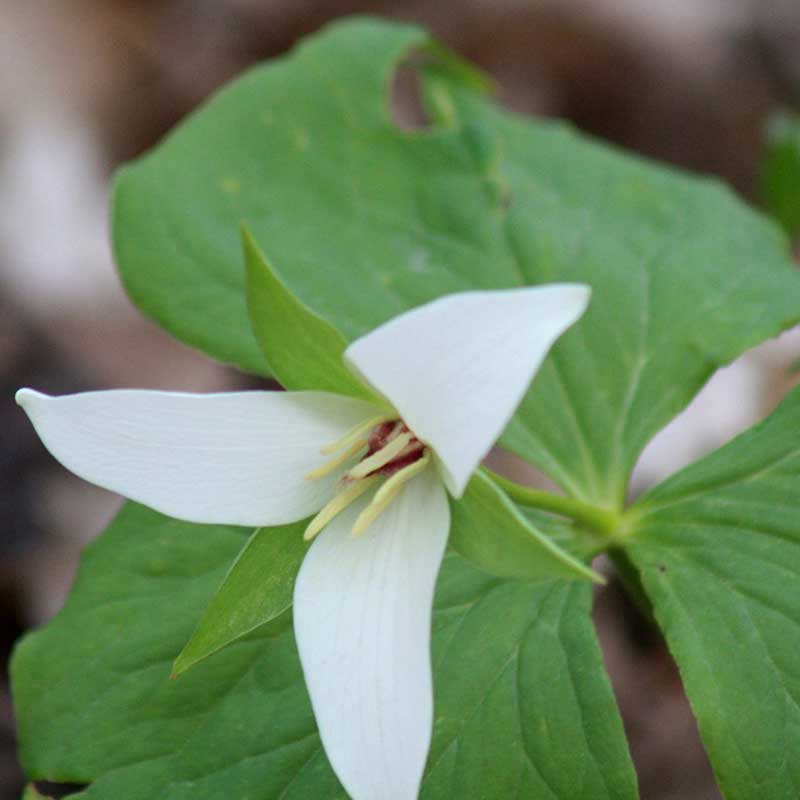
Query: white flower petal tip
[
  {"x": 236, "y": 458},
  {"x": 362, "y": 618},
  {"x": 457, "y": 368},
  {"x": 26, "y": 398}
]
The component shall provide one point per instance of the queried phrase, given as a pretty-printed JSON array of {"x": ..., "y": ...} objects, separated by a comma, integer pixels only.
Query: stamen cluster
[
  {"x": 388, "y": 451},
  {"x": 393, "y": 432}
]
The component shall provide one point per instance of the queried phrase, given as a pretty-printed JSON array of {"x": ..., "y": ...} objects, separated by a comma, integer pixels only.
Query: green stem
[{"x": 598, "y": 519}]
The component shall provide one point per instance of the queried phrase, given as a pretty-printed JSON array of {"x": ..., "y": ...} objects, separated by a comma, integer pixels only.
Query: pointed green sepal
[
  {"x": 257, "y": 588},
  {"x": 488, "y": 530},
  {"x": 303, "y": 350}
]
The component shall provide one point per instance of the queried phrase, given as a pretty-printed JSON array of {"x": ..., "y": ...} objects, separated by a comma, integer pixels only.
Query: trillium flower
[{"x": 373, "y": 479}]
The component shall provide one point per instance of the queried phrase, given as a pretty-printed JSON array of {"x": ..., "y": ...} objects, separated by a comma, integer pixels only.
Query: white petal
[
  {"x": 362, "y": 617},
  {"x": 457, "y": 368},
  {"x": 234, "y": 458}
]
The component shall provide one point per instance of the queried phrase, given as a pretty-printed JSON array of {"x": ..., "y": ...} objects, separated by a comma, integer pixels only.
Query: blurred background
[{"x": 88, "y": 84}]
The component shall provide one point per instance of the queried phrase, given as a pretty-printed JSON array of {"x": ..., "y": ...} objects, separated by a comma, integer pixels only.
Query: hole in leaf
[
  {"x": 58, "y": 791},
  {"x": 406, "y": 103}
]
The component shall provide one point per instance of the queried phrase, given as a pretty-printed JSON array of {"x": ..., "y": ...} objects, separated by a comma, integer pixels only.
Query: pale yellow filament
[
  {"x": 354, "y": 434},
  {"x": 330, "y": 466},
  {"x": 338, "y": 504},
  {"x": 384, "y": 496},
  {"x": 400, "y": 477},
  {"x": 382, "y": 457}
]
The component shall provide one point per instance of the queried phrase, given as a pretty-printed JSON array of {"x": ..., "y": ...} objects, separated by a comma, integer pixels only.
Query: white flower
[{"x": 452, "y": 373}]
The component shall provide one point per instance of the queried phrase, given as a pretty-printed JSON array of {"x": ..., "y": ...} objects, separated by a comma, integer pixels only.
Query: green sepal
[
  {"x": 257, "y": 589},
  {"x": 487, "y": 529},
  {"x": 303, "y": 350}
]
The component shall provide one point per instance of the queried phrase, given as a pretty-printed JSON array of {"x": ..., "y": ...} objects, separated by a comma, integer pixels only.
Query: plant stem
[{"x": 598, "y": 519}]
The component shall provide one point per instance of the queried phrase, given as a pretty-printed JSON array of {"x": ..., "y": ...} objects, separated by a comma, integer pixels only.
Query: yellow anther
[
  {"x": 330, "y": 466},
  {"x": 339, "y": 503},
  {"x": 355, "y": 433},
  {"x": 382, "y": 457},
  {"x": 384, "y": 496}
]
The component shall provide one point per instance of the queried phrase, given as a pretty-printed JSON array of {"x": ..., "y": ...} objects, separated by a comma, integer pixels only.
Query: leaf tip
[
  {"x": 598, "y": 579},
  {"x": 179, "y": 666},
  {"x": 252, "y": 253},
  {"x": 245, "y": 233},
  {"x": 585, "y": 572}
]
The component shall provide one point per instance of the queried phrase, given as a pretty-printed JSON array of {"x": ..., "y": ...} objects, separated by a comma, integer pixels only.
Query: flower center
[{"x": 386, "y": 450}]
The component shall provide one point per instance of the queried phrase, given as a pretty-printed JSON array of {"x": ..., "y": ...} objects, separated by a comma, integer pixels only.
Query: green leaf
[
  {"x": 523, "y": 705},
  {"x": 488, "y": 530},
  {"x": 364, "y": 220},
  {"x": 257, "y": 589},
  {"x": 302, "y": 349},
  {"x": 780, "y": 183},
  {"x": 718, "y": 549},
  {"x": 182, "y": 264},
  {"x": 532, "y": 716}
]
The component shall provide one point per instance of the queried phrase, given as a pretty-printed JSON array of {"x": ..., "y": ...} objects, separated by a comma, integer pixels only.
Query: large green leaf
[
  {"x": 718, "y": 547},
  {"x": 523, "y": 707},
  {"x": 362, "y": 220}
]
